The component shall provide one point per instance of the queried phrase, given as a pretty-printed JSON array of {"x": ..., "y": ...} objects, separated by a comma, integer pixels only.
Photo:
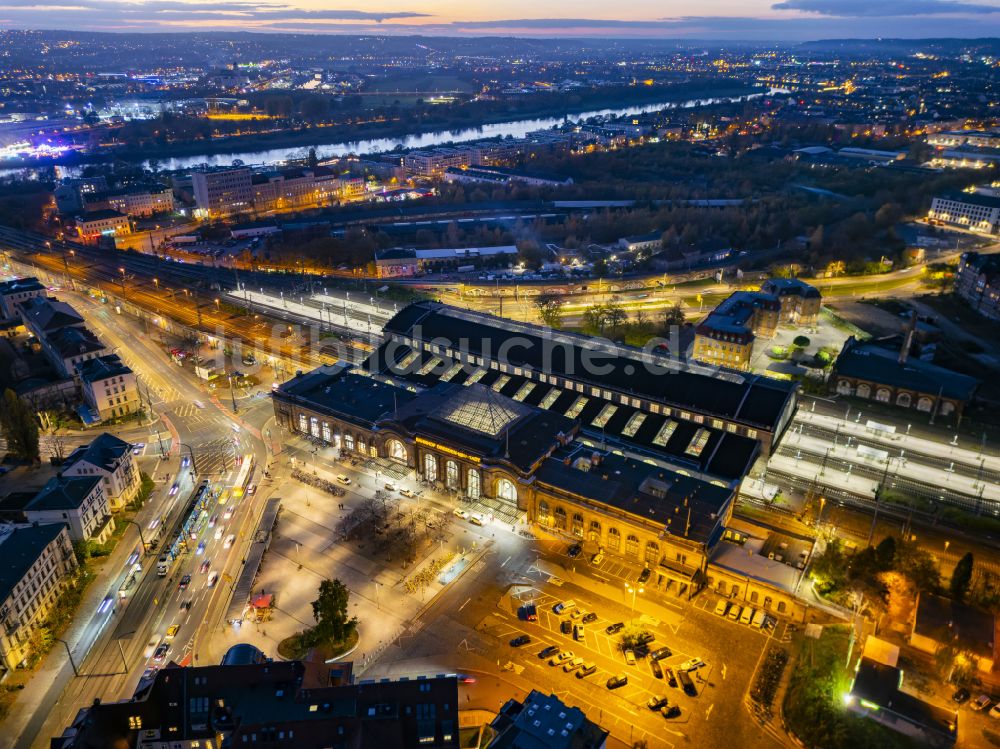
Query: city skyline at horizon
[{"x": 759, "y": 20}]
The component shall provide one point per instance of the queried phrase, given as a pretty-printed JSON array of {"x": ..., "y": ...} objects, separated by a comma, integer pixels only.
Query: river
[{"x": 515, "y": 129}]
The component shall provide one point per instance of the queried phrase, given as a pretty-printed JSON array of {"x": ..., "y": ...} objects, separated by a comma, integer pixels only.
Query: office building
[
  {"x": 977, "y": 281},
  {"x": 967, "y": 210},
  {"x": 134, "y": 201},
  {"x": 38, "y": 565},
  {"x": 219, "y": 193}
]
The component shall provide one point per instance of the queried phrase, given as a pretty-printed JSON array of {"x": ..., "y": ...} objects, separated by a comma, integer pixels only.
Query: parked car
[
  {"x": 644, "y": 575},
  {"x": 572, "y": 665},
  {"x": 686, "y": 683},
  {"x": 586, "y": 670},
  {"x": 662, "y": 652},
  {"x": 618, "y": 681},
  {"x": 668, "y": 674},
  {"x": 566, "y": 626},
  {"x": 578, "y": 631},
  {"x": 563, "y": 655},
  {"x": 548, "y": 652},
  {"x": 629, "y": 657},
  {"x": 407, "y": 493},
  {"x": 597, "y": 558},
  {"x": 343, "y": 479},
  {"x": 613, "y": 629},
  {"x": 654, "y": 666},
  {"x": 528, "y": 613},
  {"x": 961, "y": 695},
  {"x": 670, "y": 711},
  {"x": 519, "y": 641},
  {"x": 564, "y": 606},
  {"x": 577, "y": 613},
  {"x": 589, "y": 617},
  {"x": 460, "y": 513},
  {"x": 747, "y": 616},
  {"x": 389, "y": 486},
  {"x": 995, "y": 711},
  {"x": 980, "y": 703},
  {"x": 656, "y": 702},
  {"x": 574, "y": 551},
  {"x": 645, "y": 638},
  {"x": 692, "y": 665}
]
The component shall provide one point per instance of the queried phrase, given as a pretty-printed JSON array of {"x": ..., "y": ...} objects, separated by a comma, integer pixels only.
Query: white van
[
  {"x": 343, "y": 479},
  {"x": 747, "y": 616},
  {"x": 758, "y": 619}
]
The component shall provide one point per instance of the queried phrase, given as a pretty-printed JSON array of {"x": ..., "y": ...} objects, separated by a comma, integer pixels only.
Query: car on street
[
  {"x": 201, "y": 548},
  {"x": 160, "y": 653},
  {"x": 577, "y": 613},
  {"x": 229, "y": 541},
  {"x": 219, "y": 530},
  {"x": 573, "y": 664},
  {"x": 519, "y": 641},
  {"x": 644, "y": 575},
  {"x": 476, "y": 520},
  {"x": 151, "y": 647},
  {"x": 615, "y": 682},
  {"x": 995, "y": 711},
  {"x": 205, "y": 566},
  {"x": 228, "y": 514},
  {"x": 589, "y": 617},
  {"x": 670, "y": 711},
  {"x": 656, "y": 702},
  {"x": 212, "y": 521},
  {"x": 659, "y": 653},
  {"x": 407, "y": 493},
  {"x": 668, "y": 674},
  {"x": 389, "y": 486},
  {"x": 961, "y": 695},
  {"x": 586, "y": 670},
  {"x": 174, "y": 489},
  {"x": 172, "y": 631},
  {"x": 980, "y": 703},
  {"x": 692, "y": 665},
  {"x": 721, "y": 608},
  {"x": 574, "y": 551},
  {"x": 212, "y": 578},
  {"x": 185, "y": 461},
  {"x": 630, "y": 657},
  {"x": 199, "y": 404},
  {"x": 613, "y": 629},
  {"x": 654, "y": 666},
  {"x": 185, "y": 581},
  {"x": 528, "y": 613},
  {"x": 564, "y": 606},
  {"x": 597, "y": 558},
  {"x": 563, "y": 655},
  {"x": 460, "y": 513},
  {"x": 548, "y": 652},
  {"x": 343, "y": 479}
]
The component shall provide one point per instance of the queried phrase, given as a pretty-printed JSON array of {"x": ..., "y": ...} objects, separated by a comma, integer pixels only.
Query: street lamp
[
  {"x": 819, "y": 517},
  {"x": 156, "y": 283},
  {"x": 122, "y": 271},
  {"x": 633, "y": 591}
]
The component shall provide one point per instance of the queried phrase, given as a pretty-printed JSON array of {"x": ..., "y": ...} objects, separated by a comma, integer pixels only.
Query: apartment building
[
  {"x": 38, "y": 565},
  {"x": 109, "y": 387},
  {"x": 433, "y": 163},
  {"x": 77, "y": 501},
  {"x": 223, "y": 192},
  {"x": 968, "y": 210},
  {"x": 800, "y": 302},
  {"x": 16, "y": 292},
  {"x": 93, "y": 225},
  {"x": 977, "y": 281},
  {"x": 726, "y": 337},
  {"x": 110, "y": 458}
]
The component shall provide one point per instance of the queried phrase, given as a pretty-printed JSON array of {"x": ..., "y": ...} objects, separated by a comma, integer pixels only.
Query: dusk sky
[{"x": 709, "y": 19}]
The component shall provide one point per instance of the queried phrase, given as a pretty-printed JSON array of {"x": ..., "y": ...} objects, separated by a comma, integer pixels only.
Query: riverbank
[{"x": 380, "y": 137}]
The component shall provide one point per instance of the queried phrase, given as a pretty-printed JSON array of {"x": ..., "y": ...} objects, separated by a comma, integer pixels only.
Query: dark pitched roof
[
  {"x": 876, "y": 363},
  {"x": 47, "y": 314},
  {"x": 20, "y": 549},
  {"x": 789, "y": 287},
  {"x": 943, "y": 619},
  {"x": 63, "y": 493},
  {"x": 99, "y": 215},
  {"x": 544, "y": 721},
  {"x": 101, "y": 367},
  {"x": 751, "y": 399},
  {"x": 104, "y": 451},
  {"x": 878, "y": 684},
  {"x": 354, "y": 398},
  {"x": 973, "y": 198},
  {"x": 21, "y": 285},
  {"x": 74, "y": 341}
]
